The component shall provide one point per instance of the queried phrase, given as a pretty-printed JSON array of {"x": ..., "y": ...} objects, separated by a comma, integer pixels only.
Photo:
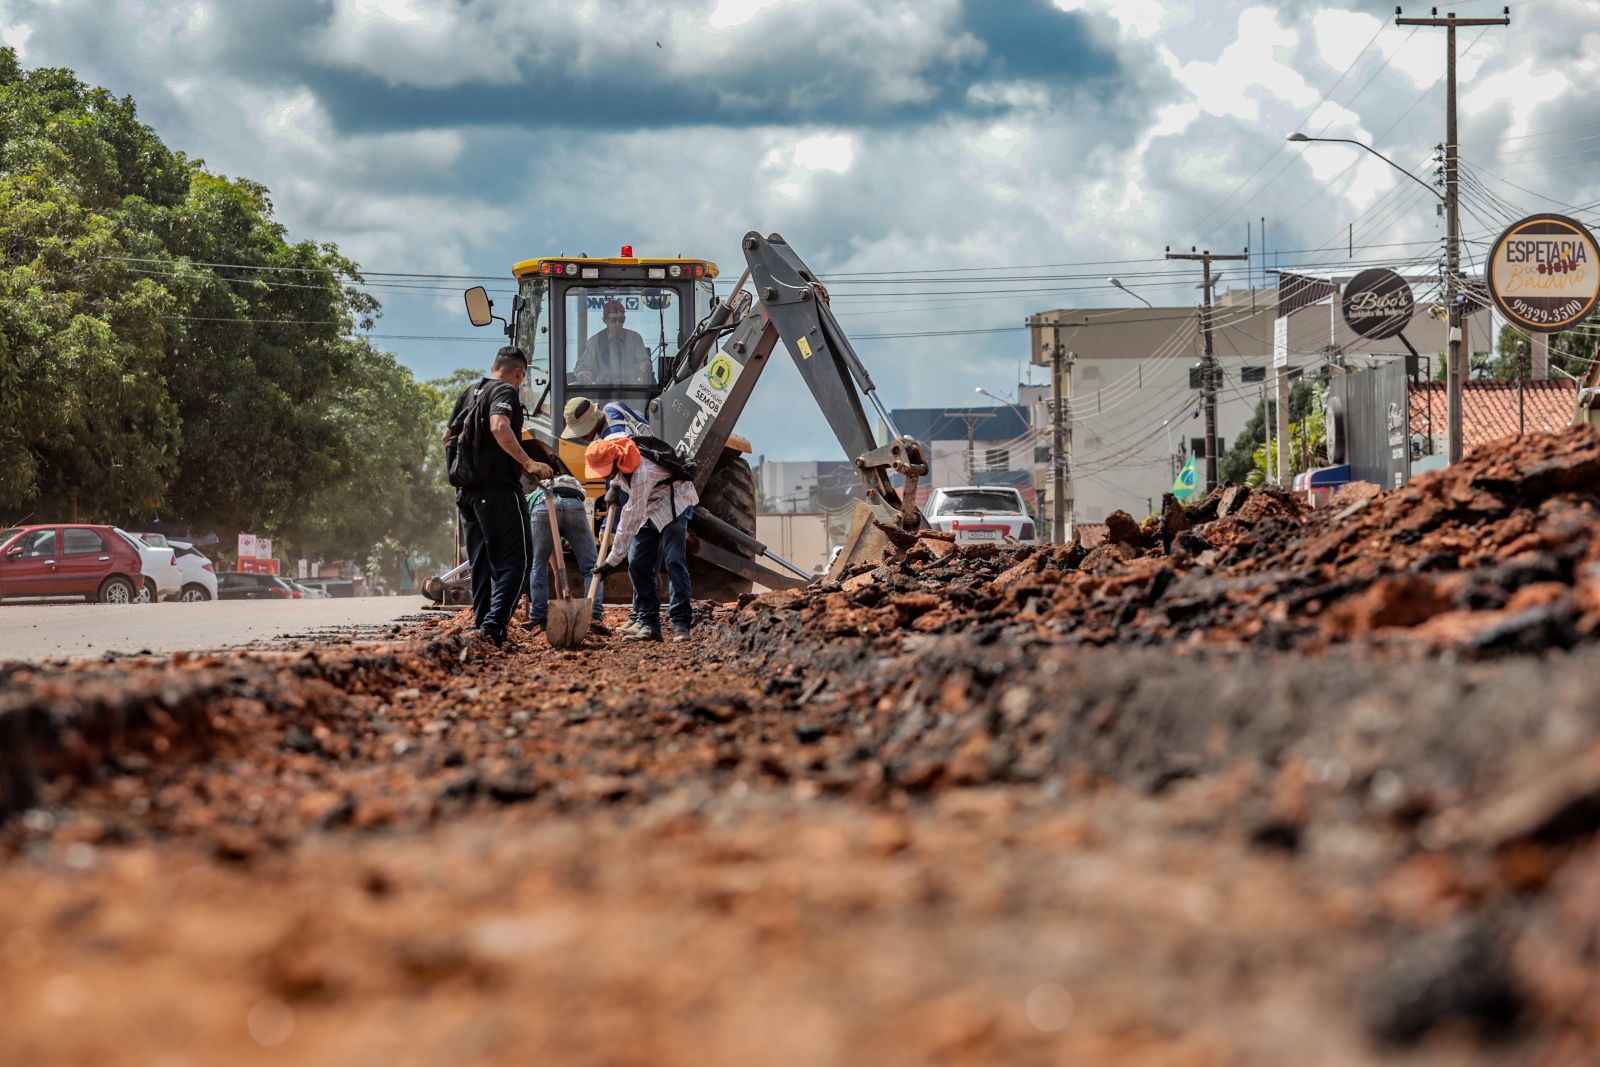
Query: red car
[{"x": 68, "y": 560}]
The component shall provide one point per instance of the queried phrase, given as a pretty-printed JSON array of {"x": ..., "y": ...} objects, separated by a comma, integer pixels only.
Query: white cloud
[
  {"x": 16, "y": 36},
  {"x": 1341, "y": 35},
  {"x": 1250, "y": 69},
  {"x": 428, "y": 43},
  {"x": 1524, "y": 88},
  {"x": 730, "y": 13},
  {"x": 1039, "y": 179}
]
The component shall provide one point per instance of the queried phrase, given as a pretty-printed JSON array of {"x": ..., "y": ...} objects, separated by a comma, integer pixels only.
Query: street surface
[
  {"x": 1246, "y": 784},
  {"x": 57, "y": 630}
]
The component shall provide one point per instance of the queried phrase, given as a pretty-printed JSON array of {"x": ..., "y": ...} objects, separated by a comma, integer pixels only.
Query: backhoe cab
[{"x": 652, "y": 334}]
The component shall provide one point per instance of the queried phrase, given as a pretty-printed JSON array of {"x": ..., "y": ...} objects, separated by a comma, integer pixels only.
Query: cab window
[
  {"x": 617, "y": 334},
  {"x": 533, "y": 337},
  {"x": 82, "y": 542}
]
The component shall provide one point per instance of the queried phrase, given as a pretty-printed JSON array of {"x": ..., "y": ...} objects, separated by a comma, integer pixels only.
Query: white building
[{"x": 1131, "y": 385}]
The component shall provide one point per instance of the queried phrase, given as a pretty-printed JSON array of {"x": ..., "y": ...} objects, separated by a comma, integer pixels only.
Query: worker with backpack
[
  {"x": 654, "y": 523},
  {"x": 485, "y": 461}
]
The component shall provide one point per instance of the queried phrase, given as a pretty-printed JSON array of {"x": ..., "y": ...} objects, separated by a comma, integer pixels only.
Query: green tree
[
  {"x": 166, "y": 350},
  {"x": 1236, "y": 464},
  {"x": 1572, "y": 351}
]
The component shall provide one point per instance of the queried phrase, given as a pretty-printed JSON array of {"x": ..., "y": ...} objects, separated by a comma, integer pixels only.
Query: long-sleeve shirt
[
  {"x": 621, "y": 419},
  {"x": 649, "y": 499}
]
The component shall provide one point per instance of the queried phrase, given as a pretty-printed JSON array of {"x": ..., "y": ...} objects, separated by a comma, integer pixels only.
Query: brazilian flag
[{"x": 1187, "y": 481}]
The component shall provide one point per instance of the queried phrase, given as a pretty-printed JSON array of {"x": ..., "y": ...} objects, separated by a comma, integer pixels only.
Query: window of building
[
  {"x": 1252, "y": 374},
  {"x": 1195, "y": 377},
  {"x": 997, "y": 459}
]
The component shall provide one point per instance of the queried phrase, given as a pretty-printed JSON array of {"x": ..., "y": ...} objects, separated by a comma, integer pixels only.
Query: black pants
[{"x": 496, "y": 530}]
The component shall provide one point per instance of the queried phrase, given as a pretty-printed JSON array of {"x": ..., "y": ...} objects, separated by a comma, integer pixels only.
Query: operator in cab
[{"x": 616, "y": 355}]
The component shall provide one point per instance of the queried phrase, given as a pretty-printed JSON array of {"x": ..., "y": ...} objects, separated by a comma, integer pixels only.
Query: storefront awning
[{"x": 1322, "y": 478}]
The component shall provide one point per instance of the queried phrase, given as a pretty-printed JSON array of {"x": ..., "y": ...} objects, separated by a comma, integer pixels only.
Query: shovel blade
[{"x": 568, "y": 621}]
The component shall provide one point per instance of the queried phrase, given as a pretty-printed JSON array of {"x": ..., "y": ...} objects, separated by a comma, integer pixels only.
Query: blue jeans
[
  {"x": 573, "y": 520},
  {"x": 651, "y": 550}
]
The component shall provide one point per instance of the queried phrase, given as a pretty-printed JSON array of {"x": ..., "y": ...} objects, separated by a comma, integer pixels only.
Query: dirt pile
[{"x": 1498, "y": 554}]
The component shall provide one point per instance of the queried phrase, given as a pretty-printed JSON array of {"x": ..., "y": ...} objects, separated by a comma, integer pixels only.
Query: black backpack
[
  {"x": 663, "y": 455},
  {"x": 678, "y": 467},
  {"x": 467, "y": 462}
]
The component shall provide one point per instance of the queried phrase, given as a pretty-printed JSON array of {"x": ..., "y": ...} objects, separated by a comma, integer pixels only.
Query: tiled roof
[
  {"x": 1090, "y": 534},
  {"x": 1489, "y": 410}
]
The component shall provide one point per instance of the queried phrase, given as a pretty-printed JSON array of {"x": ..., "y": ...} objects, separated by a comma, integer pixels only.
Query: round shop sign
[
  {"x": 1544, "y": 273},
  {"x": 1378, "y": 303}
]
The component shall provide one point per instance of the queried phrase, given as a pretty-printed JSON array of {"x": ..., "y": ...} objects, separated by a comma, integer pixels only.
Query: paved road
[{"x": 41, "y": 631}]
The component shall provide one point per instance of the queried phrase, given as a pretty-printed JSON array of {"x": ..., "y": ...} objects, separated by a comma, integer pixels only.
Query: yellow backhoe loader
[{"x": 652, "y": 334}]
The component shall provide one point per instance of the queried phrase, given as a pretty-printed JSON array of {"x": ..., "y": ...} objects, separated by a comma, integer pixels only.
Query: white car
[
  {"x": 981, "y": 514},
  {"x": 162, "y": 578},
  {"x": 199, "y": 577}
]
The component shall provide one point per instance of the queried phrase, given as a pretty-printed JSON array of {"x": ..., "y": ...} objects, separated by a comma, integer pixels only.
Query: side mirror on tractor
[{"x": 480, "y": 309}]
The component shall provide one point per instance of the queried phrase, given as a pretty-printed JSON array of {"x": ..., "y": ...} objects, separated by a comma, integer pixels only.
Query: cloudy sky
[{"x": 1037, "y": 146}]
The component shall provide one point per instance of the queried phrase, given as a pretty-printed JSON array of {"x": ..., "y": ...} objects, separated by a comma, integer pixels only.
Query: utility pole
[
  {"x": 1208, "y": 367},
  {"x": 1456, "y": 373},
  {"x": 1060, "y": 433},
  {"x": 970, "y": 418}
]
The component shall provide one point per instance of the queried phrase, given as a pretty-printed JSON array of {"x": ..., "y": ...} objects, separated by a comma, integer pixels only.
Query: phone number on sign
[{"x": 1571, "y": 309}]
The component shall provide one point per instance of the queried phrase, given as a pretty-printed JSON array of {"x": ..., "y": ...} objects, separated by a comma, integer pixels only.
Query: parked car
[
  {"x": 199, "y": 577},
  {"x": 236, "y": 585},
  {"x": 334, "y": 587},
  {"x": 309, "y": 592},
  {"x": 981, "y": 513},
  {"x": 162, "y": 578},
  {"x": 76, "y": 559}
]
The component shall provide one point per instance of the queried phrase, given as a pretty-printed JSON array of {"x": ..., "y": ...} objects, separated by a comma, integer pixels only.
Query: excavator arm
[{"x": 719, "y": 368}]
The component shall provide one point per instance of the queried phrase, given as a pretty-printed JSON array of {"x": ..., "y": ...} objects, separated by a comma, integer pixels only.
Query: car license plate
[{"x": 980, "y": 535}]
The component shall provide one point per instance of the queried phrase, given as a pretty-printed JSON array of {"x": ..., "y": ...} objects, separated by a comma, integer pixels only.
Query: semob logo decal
[
  {"x": 708, "y": 392},
  {"x": 1543, "y": 273}
]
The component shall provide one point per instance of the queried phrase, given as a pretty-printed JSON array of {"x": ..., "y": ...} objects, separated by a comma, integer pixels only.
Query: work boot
[
  {"x": 645, "y": 632},
  {"x": 680, "y": 632},
  {"x": 629, "y": 627}
]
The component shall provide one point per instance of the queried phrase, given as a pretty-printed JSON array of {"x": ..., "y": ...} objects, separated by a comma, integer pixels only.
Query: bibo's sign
[
  {"x": 1543, "y": 273},
  {"x": 1378, "y": 303}
]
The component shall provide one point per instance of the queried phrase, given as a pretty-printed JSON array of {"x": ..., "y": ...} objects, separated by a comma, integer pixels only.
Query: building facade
[{"x": 1132, "y": 401}]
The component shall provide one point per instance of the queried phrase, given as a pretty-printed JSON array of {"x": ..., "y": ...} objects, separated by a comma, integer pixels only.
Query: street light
[
  {"x": 1026, "y": 421},
  {"x": 1116, "y": 283},
  {"x": 1300, "y": 138}
]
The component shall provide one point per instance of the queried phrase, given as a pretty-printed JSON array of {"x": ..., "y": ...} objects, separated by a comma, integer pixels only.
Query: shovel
[
  {"x": 594, "y": 579},
  {"x": 567, "y": 618}
]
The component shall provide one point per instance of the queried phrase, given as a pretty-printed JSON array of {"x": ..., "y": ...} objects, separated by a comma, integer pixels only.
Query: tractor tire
[{"x": 730, "y": 495}]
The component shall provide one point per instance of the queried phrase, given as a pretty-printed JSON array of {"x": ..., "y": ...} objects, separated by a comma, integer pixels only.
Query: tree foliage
[
  {"x": 1572, "y": 351},
  {"x": 1240, "y": 459},
  {"x": 167, "y": 351}
]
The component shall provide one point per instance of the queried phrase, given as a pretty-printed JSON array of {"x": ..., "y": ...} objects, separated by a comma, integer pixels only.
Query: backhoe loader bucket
[{"x": 865, "y": 542}]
